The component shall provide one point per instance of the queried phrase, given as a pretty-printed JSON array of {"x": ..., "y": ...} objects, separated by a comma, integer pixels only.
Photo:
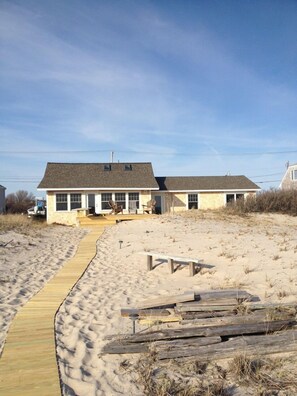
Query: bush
[{"x": 271, "y": 201}]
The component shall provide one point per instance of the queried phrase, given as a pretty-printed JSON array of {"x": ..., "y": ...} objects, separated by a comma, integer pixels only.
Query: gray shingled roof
[
  {"x": 205, "y": 183},
  {"x": 94, "y": 175}
]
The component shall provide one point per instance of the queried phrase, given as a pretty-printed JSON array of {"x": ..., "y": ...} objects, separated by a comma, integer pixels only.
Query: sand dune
[{"x": 257, "y": 253}]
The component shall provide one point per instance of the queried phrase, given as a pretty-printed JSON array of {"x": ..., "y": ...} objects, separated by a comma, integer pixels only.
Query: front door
[
  {"x": 91, "y": 203},
  {"x": 158, "y": 199},
  {"x": 97, "y": 203}
]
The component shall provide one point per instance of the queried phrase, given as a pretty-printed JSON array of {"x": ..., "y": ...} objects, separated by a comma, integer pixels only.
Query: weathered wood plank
[
  {"x": 224, "y": 302},
  {"x": 223, "y": 294},
  {"x": 253, "y": 306},
  {"x": 249, "y": 328},
  {"x": 165, "y": 334},
  {"x": 120, "y": 347},
  {"x": 260, "y": 316},
  {"x": 208, "y": 314},
  {"x": 184, "y": 343},
  {"x": 249, "y": 345},
  {"x": 166, "y": 300},
  {"x": 196, "y": 307}
]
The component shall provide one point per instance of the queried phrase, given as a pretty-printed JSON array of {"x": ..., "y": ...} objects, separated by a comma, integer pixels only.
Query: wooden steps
[{"x": 28, "y": 364}]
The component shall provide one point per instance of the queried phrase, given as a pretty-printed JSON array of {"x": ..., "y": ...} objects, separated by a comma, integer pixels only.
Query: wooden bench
[{"x": 192, "y": 263}]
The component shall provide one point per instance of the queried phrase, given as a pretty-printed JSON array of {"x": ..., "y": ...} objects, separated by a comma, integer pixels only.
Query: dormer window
[
  {"x": 107, "y": 167},
  {"x": 128, "y": 167}
]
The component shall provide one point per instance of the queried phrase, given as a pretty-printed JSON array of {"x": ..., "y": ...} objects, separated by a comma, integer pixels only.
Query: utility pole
[{"x": 111, "y": 156}]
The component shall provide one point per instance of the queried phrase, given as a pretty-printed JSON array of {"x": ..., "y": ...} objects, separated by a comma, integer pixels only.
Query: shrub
[{"x": 271, "y": 201}]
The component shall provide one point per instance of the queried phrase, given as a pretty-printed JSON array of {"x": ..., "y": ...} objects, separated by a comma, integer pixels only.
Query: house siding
[
  {"x": 211, "y": 200},
  {"x": 288, "y": 183},
  {"x": 70, "y": 217}
]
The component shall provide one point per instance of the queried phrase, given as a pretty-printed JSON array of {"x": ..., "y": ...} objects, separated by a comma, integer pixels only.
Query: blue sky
[{"x": 195, "y": 87}]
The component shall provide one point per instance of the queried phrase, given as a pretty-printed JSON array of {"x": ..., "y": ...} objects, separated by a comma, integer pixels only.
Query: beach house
[
  {"x": 88, "y": 188},
  {"x": 289, "y": 180}
]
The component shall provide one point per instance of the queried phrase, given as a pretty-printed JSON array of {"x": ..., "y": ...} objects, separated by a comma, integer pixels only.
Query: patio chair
[
  {"x": 150, "y": 207},
  {"x": 115, "y": 208}
]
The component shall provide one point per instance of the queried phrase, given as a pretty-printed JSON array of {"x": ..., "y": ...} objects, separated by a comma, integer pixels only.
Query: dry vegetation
[
  {"x": 242, "y": 375},
  {"x": 272, "y": 201},
  {"x": 20, "y": 223}
]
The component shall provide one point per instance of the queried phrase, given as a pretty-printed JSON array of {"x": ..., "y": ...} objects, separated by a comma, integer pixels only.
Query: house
[
  {"x": 2, "y": 199},
  {"x": 289, "y": 180},
  {"x": 74, "y": 187}
]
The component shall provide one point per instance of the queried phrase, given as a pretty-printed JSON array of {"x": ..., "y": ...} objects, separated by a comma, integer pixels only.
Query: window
[
  {"x": 105, "y": 197},
  {"x": 120, "y": 199},
  {"x": 107, "y": 167},
  {"x": 294, "y": 174},
  {"x": 61, "y": 202},
  {"x": 193, "y": 201},
  {"x": 75, "y": 201},
  {"x": 128, "y": 167},
  {"x": 135, "y": 198},
  {"x": 231, "y": 198}
]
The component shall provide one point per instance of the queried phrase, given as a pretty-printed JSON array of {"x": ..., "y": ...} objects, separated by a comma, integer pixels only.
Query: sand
[
  {"x": 257, "y": 253},
  {"x": 27, "y": 262}
]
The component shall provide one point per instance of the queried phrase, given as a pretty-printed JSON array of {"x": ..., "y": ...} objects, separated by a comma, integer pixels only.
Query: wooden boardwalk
[{"x": 28, "y": 365}]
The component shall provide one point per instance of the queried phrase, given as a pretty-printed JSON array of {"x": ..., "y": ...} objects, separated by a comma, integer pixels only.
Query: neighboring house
[
  {"x": 73, "y": 186},
  {"x": 289, "y": 180},
  {"x": 2, "y": 199}
]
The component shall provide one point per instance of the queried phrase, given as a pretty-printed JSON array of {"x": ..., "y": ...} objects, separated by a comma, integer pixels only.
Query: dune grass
[{"x": 20, "y": 223}]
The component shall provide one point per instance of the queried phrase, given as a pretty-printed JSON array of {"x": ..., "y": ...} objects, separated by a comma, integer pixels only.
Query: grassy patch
[{"x": 20, "y": 223}]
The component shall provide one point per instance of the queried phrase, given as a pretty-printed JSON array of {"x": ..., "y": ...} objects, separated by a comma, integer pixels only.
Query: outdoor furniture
[
  {"x": 192, "y": 263},
  {"x": 150, "y": 207},
  {"x": 115, "y": 208}
]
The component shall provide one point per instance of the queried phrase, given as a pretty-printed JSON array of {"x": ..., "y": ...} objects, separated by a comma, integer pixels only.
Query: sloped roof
[
  {"x": 98, "y": 176},
  {"x": 205, "y": 183},
  {"x": 2, "y": 187}
]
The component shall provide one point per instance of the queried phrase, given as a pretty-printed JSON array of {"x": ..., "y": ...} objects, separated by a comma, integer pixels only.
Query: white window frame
[
  {"x": 234, "y": 196},
  {"x": 188, "y": 196},
  {"x": 68, "y": 194}
]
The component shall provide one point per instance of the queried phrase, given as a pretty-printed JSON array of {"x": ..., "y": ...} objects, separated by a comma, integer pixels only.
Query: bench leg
[
  {"x": 149, "y": 261},
  {"x": 192, "y": 268},
  {"x": 171, "y": 265}
]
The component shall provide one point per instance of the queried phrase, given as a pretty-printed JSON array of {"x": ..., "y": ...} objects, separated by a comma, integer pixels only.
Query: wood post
[
  {"x": 149, "y": 261},
  {"x": 171, "y": 265},
  {"x": 192, "y": 268}
]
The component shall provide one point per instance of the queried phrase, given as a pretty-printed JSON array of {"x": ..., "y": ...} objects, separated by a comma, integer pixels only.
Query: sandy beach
[
  {"x": 27, "y": 262},
  {"x": 257, "y": 253}
]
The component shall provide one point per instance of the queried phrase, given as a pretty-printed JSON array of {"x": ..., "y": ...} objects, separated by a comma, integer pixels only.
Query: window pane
[
  {"x": 75, "y": 201},
  {"x": 61, "y": 202},
  {"x": 294, "y": 174},
  {"x": 120, "y": 199},
  {"x": 105, "y": 197},
  {"x": 230, "y": 198},
  {"x": 193, "y": 201},
  {"x": 134, "y": 197},
  {"x": 239, "y": 196}
]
